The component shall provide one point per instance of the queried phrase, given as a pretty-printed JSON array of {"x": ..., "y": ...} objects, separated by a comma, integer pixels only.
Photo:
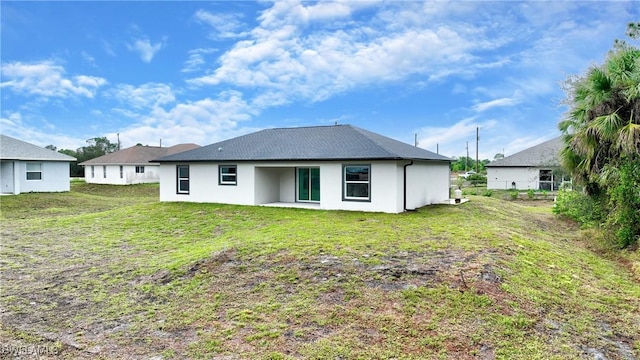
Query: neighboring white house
[
  {"x": 25, "y": 167},
  {"x": 129, "y": 166},
  {"x": 339, "y": 167},
  {"x": 537, "y": 168}
]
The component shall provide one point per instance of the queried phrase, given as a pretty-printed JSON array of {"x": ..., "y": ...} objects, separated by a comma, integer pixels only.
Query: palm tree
[
  {"x": 602, "y": 137},
  {"x": 603, "y": 124}
]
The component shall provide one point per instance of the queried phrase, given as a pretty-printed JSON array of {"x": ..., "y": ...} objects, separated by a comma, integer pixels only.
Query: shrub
[
  {"x": 488, "y": 193},
  {"x": 624, "y": 202},
  {"x": 530, "y": 193},
  {"x": 477, "y": 179},
  {"x": 587, "y": 211}
]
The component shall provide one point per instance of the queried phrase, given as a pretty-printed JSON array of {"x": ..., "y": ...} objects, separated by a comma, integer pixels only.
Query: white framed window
[
  {"x": 227, "y": 174},
  {"x": 357, "y": 182},
  {"x": 139, "y": 169},
  {"x": 121, "y": 172},
  {"x": 182, "y": 172},
  {"x": 34, "y": 171},
  {"x": 93, "y": 171},
  {"x": 104, "y": 171}
]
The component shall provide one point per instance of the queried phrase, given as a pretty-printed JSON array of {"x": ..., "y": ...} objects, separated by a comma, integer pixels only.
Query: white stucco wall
[
  {"x": 7, "y": 177},
  {"x": 204, "y": 187},
  {"x": 262, "y": 182},
  {"x": 427, "y": 183},
  {"x": 129, "y": 176},
  {"x": 501, "y": 178},
  {"x": 55, "y": 177}
]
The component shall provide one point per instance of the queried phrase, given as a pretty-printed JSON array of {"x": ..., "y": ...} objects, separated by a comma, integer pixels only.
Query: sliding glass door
[{"x": 309, "y": 184}]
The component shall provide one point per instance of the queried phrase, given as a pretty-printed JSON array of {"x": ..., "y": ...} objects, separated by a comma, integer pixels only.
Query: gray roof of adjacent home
[
  {"x": 138, "y": 155},
  {"x": 337, "y": 142},
  {"x": 14, "y": 149},
  {"x": 546, "y": 154}
]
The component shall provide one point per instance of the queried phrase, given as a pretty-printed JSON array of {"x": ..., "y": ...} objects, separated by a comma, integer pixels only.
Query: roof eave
[{"x": 301, "y": 159}]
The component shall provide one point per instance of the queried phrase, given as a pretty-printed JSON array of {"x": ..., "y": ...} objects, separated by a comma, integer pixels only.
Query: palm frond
[
  {"x": 621, "y": 66},
  {"x": 600, "y": 86},
  {"x": 628, "y": 140},
  {"x": 607, "y": 126}
]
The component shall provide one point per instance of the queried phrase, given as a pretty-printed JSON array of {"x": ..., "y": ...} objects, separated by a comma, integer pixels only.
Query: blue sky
[{"x": 206, "y": 71}]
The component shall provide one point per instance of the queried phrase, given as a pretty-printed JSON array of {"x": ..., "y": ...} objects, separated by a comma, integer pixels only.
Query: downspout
[{"x": 405, "y": 185}]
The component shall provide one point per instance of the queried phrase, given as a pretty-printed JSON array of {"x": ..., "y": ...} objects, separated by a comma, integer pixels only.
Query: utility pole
[
  {"x": 477, "y": 141},
  {"x": 118, "y": 141},
  {"x": 466, "y": 160},
  {"x": 415, "y": 141}
]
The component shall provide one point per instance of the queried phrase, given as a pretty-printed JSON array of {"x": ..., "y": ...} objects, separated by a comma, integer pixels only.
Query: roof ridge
[
  {"x": 303, "y": 127},
  {"x": 367, "y": 134}
]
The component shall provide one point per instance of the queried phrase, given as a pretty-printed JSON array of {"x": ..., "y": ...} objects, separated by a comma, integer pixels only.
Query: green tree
[
  {"x": 96, "y": 147},
  {"x": 464, "y": 163},
  {"x": 601, "y": 130}
]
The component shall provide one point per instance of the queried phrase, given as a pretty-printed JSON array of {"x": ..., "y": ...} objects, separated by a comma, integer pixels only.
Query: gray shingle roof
[
  {"x": 14, "y": 149},
  {"x": 338, "y": 142},
  {"x": 546, "y": 154},
  {"x": 138, "y": 155}
]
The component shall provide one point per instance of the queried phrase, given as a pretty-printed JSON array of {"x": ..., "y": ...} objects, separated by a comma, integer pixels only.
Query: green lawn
[{"x": 109, "y": 272}]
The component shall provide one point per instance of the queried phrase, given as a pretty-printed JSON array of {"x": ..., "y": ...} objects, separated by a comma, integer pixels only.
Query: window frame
[
  {"x": 221, "y": 175},
  {"x": 93, "y": 172},
  {"x": 310, "y": 181},
  {"x": 179, "y": 179},
  {"x": 28, "y": 171},
  {"x": 139, "y": 169},
  {"x": 548, "y": 183},
  {"x": 346, "y": 182}
]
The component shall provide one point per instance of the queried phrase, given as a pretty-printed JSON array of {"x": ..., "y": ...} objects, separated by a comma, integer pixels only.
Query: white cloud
[
  {"x": 196, "y": 59},
  {"x": 502, "y": 102},
  {"x": 452, "y": 140},
  {"x": 280, "y": 57},
  {"x": 224, "y": 26},
  {"x": 143, "y": 96},
  {"x": 145, "y": 48},
  {"x": 16, "y": 126},
  {"x": 46, "y": 78},
  {"x": 11, "y": 121},
  {"x": 203, "y": 122}
]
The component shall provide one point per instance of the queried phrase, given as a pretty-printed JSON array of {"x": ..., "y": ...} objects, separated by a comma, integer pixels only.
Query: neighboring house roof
[
  {"x": 14, "y": 149},
  {"x": 138, "y": 155},
  {"x": 546, "y": 154},
  {"x": 338, "y": 142}
]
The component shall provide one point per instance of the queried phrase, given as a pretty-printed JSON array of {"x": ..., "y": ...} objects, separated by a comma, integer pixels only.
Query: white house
[
  {"x": 129, "y": 166},
  {"x": 25, "y": 167},
  {"x": 537, "y": 168},
  {"x": 323, "y": 167}
]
